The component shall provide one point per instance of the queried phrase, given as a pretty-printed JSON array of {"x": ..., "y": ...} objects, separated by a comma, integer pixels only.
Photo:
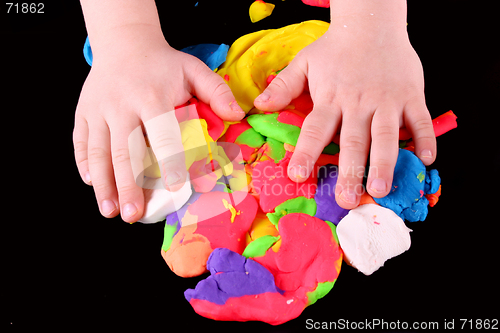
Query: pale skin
[{"x": 365, "y": 80}]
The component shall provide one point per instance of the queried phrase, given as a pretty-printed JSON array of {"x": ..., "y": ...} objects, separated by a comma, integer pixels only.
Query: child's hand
[
  {"x": 135, "y": 79},
  {"x": 368, "y": 83}
]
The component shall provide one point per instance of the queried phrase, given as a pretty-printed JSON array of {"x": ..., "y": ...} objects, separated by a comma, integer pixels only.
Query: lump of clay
[
  {"x": 370, "y": 235},
  {"x": 260, "y": 10},
  {"x": 410, "y": 184},
  {"x": 212, "y": 55},
  {"x": 317, "y": 3},
  {"x": 253, "y": 57},
  {"x": 160, "y": 202},
  {"x": 241, "y": 290},
  {"x": 272, "y": 184},
  {"x": 327, "y": 207},
  {"x": 208, "y": 221}
]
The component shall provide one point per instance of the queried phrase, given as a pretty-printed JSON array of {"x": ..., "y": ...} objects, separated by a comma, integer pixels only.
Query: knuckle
[
  {"x": 422, "y": 126},
  {"x": 127, "y": 190},
  {"x": 354, "y": 143},
  {"x": 120, "y": 155},
  {"x": 163, "y": 140},
  {"x": 220, "y": 89},
  {"x": 97, "y": 153},
  {"x": 313, "y": 132},
  {"x": 103, "y": 189},
  {"x": 80, "y": 149},
  {"x": 279, "y": 83},
  {"x": 385, "y": 131}
]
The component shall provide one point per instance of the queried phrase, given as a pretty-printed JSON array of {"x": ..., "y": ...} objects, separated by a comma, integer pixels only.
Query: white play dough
[
  {"x": 160, "y": 202},
  {"x": 370, "y": 235}
]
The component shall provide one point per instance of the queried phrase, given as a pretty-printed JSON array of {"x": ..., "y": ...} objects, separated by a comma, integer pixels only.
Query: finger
[
  {"x": 354, "y": 144},
  {"x": 287, "y": 85},
  {"x": 101, "y": 169},
  {"x": 317, "y": 132},
  {"x": 419, "y": 122},
  {"x": 210, "y": 88},
  {"x": 130, "y": 195},
  {"x": 164, "y": 135},
  {"x": 80, "y": 144},
  {"x": 384, "y": 151}
]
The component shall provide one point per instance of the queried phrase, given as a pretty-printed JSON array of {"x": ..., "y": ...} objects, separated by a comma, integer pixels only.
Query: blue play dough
[
  {"x": 327, "y": 207},
  {"x": 87, "y": 52},
  {"x": 232, "y": 275},
  {"x": 410, "y": 184},
  {"x": 212, "y": 55}
]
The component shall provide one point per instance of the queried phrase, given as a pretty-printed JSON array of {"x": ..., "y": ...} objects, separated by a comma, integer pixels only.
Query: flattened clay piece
[
  {"x": 275, "y": 287},
  {"x": 215, "y": 219},
  {"x": 370, "y": 235}
]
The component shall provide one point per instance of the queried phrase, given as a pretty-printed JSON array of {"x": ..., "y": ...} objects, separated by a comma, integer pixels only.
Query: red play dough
[
  {"x": 291, "y": 118},
  {"x": 208, "y": 224},
  {"x": 271, "y": 182},
  {"x": 317, "y": 3},
  {"x": 442, "y": 124},
  {"x": 195, "y": 109},
  {"x": 308, "y": 254},
  {"x": 235, "y": 130},
  {"x": 269, "y": 307},
  {"x": 214, "y": 219}
]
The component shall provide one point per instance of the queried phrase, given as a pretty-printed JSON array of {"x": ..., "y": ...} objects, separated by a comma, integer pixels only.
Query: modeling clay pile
[{"x": 273, "y": 246}]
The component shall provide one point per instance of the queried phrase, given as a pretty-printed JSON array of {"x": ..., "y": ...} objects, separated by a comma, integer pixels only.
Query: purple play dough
[
  {"x": 327, "y": 207},
  {"x": 232, "y": 275},
  {"x": 174, "y": 217}
]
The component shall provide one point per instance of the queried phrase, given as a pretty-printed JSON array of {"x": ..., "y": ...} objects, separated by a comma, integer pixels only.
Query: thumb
[
  {"x": 287, "y": 85},
  {"x": 211, "y": 89}
]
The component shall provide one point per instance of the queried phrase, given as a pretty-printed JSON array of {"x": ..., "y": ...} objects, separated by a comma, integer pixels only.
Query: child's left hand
[{"x": 369, "y": 83}]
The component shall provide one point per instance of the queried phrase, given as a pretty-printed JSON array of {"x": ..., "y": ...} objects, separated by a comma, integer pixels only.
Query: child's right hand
[{"x": 135, "y": 78}]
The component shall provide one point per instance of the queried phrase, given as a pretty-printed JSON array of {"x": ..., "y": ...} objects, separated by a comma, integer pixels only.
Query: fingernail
[
  {"x": 348, "y": 196},
  {"x": 235, "y": 107},
  {"x": 264, "y": 97},
  {"x": 129, "y": 210},
  {"x": 378, "y": 185},
  {"x": 88, "y": 180},
  {"x": 107, "y": 207},
  {"x": 298, "y": 171},
  {"x": 426, "y": 153},
  {"x": 172, "y": 178}
]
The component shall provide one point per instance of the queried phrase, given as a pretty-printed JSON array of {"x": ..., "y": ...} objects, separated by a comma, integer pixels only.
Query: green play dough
[
  {"x": 276, "y": 149},
  {"x": 331, "y": 149},
  {"x": 251, "y": 138},
  {"x": 258, "y": 247},
  {"x": 334, "y": 231},
  {"x": 268, "y": 125},
  {"x": 168, "y": 235},
  {"x": 296, "y": 205},
  {"x": 321, "y": 290}
]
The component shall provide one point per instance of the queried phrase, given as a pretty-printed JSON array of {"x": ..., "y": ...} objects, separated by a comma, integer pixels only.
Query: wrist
[
  {"x": 127, "y": 40},
  {"x": 368, "y": 16}
]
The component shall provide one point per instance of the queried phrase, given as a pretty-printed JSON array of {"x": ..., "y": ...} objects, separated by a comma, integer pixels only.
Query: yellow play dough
[
  {"x": 260, "y": 10},
  {"x": 253, "y": 57}
]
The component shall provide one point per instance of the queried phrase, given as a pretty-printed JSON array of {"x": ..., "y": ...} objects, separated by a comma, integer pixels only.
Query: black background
[{"x": 67, "y": 266}]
